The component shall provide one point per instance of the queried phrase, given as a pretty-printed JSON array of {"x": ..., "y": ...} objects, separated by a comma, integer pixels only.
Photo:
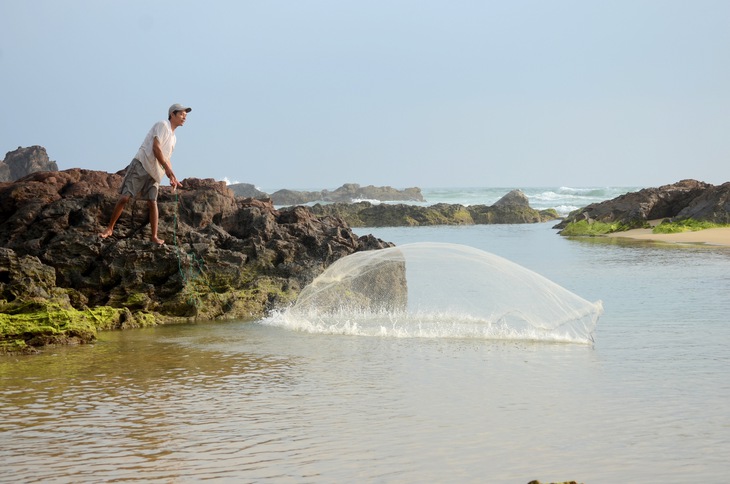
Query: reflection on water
[
  {"x": 134, "y": 402},
  {"x": 245, "y": 402}
]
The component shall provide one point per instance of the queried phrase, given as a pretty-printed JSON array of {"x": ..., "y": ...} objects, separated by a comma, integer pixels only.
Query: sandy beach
[{"x": 720, "y": 236}]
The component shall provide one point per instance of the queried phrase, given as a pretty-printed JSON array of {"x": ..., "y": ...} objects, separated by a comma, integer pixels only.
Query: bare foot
[
  {"x": 158, "y": 241},
  {"x": 106, "y": 233}
]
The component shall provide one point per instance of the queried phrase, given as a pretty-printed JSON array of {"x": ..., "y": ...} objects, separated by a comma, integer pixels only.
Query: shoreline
[{"x": 711, "y": 237}]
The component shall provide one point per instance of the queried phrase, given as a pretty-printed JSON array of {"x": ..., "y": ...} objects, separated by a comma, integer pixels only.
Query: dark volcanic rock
[
  {"x": 712, "y": 205},
  {"x": 24, "y": 161},
  {"x": 637, "y": 208},
  {"x": 513, "y": 208},
  {"x": 25, "y": 277},
  {"x": 225, "y": 257}
]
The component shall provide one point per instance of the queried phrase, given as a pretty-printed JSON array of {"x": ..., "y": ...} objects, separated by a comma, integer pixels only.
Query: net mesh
[{"x": 439, "y": 290}]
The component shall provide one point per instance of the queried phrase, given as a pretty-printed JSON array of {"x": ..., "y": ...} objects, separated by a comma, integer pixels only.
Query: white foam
[{"x": 436, "y": 290}]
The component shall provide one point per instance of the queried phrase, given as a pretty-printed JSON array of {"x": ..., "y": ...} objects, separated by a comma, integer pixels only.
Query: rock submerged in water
[{"x": 225, "y": 257}]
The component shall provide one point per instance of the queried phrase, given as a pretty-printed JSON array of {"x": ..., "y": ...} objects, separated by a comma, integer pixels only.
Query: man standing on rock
[{"x": 144, "y": 174}]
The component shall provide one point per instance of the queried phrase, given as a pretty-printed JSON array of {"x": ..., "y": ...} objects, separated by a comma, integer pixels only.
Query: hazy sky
[{"x": 314, "y": 94}]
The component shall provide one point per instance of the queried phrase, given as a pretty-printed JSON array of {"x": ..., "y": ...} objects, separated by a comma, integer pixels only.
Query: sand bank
[{"x": 719, "y": 236}]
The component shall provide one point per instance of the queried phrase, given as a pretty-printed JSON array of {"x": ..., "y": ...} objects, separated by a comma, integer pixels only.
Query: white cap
[{"x": 178, "y": 107}]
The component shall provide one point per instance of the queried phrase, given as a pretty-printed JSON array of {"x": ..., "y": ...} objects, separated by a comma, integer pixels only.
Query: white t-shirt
[{"x": 163, "y": 132}]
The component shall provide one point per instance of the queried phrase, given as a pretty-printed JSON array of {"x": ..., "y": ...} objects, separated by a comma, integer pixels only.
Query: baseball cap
[{"x": 178, "y": 107}]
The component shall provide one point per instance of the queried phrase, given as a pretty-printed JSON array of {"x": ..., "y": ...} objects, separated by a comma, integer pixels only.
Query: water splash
[{"x": 439, "y": 290}]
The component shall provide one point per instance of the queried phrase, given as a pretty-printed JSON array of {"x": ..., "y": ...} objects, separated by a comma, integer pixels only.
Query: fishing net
[{"x": 439, "y": 290}]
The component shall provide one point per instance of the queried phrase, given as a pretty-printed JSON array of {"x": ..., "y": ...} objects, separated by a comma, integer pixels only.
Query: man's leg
[
  {"x": 152, "y": 206},
  {"x": 118, "y": 209}
]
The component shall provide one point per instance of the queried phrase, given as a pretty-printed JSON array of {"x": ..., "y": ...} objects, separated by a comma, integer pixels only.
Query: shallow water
[{"x": 246, "y": 402}]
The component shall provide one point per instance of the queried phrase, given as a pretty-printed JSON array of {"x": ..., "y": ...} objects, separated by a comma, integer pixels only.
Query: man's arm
[{"x": 166, "y": 165}]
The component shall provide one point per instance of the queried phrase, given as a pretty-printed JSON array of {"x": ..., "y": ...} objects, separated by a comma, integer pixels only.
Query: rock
[
  {"x": 636, "y": 209},
  {"x": 26, "y": 277},
  {"x": 293, "y": 197},
  {"x": 247, "y": 190},
  {"x": 24, "y": 161},
  {"x": 515, "y": 198},
  {"x": 347, "y": 193},
  {"x": 561, "y": 482},
  {"x": 225, "y": 257},
  {"x": 378, "y": 287},
  {"x": 350, "y": 192},
  {"x": 513, "y": 208},
  {"x": 712, "y": 205}
]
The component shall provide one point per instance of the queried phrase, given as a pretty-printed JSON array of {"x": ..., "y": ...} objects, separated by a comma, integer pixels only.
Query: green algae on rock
[
  {"x": 39, "y": 323},
  {"x": 584, "y": 228}
]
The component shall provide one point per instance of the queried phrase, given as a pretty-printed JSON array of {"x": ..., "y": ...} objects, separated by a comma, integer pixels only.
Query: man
[{"x": 144, "y": 174}]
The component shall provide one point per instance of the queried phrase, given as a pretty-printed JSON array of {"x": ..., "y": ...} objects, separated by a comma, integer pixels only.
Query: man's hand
[{"x": 174, "y": 183}]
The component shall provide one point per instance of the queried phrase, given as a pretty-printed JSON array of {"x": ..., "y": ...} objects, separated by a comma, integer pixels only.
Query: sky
[{"x": 312, "y": 94}]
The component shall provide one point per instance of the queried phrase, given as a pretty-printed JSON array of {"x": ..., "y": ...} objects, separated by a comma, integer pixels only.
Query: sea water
[
  {"x": 563, "y": 199},
  {"x": 248, "y": 402}
]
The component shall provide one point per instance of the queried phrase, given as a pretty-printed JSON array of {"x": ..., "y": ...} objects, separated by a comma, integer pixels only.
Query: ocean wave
[
  {"x": 565, "y": 210},
  {"x": 586, "y": 192},
  {"x": 564, "y": 199}
]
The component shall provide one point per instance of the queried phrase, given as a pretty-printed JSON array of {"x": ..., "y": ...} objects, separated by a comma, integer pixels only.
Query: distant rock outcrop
[
  {"x": 246, "y": 190},
  {"x": 515, "y": 198},
  {"x": 286, "y": 197},
  {"x": 25, "y": 161},
  {"x": 350, "y": 192},
  {"x": 347, "y": 193},
  {"x": 682, "y": 200},
  {"x": 513, "y": 208}
]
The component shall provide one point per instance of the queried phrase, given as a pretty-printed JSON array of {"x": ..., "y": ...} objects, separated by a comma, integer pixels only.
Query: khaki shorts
[{"x": 138, "y": 183}]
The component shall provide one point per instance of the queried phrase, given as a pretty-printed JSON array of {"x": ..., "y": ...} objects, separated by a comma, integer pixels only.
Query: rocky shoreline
[
  {"x": 225, "y": 257},
  {"x": 684, "y": 200}
]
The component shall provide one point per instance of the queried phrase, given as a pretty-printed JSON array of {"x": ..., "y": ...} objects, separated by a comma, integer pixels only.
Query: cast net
[{"x": 439, "y": 290}]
